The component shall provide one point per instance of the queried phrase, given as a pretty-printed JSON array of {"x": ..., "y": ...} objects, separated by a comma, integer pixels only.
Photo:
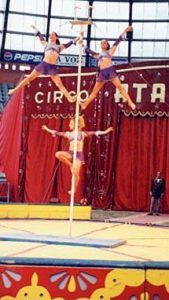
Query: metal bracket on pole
[{"x": 81, "y": 22}]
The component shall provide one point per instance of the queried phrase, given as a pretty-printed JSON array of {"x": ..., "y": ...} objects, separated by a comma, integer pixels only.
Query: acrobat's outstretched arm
[
  {"x": 40, "y": 35},
  {"x": 122, "y": 37},
  {"x": 99, "y": 132},
  {"x": 53, "y": 132},
  {"x": 91, "y": 52},
  {"x": 68, "y": 44}
]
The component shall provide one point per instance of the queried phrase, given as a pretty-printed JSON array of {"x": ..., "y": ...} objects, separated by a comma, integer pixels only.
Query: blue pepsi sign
[{"x": 21, "y": 57}]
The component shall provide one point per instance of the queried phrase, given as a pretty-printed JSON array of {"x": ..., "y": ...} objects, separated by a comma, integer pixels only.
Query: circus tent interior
[
  {"x": 118, "y": 166},
  {"x": 110, "y": 158}
]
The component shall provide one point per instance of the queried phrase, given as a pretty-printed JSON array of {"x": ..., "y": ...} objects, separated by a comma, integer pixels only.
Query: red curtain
[
  {"x": 10, "y": 137},
  {"x": 42, "y": 177},
  {"x": 46, "y": 178},
  {"x": 143, "y": 150},
  {"x": 119, "y": 166}
]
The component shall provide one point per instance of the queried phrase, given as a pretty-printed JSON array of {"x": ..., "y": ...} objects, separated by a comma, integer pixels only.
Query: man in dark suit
[{"x": 156, "y": 192}]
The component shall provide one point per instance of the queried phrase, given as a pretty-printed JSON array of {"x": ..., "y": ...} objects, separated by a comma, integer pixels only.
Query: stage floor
[{"x": 143, "y": 242}]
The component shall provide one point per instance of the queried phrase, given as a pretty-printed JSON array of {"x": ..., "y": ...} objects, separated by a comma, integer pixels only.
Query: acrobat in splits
[
  {"x": 47, "y": 66},
  {"x": 107, "y": 71},
  {"x": 67, "y": 156}
]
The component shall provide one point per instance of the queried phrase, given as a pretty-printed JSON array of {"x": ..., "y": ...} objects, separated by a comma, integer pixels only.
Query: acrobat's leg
[
  {"x": 58, "y": 82},
  {"x": 25, "y": 81},
  {"x": 76, "y": 171},
  {"x": 96, "y": 89},
  {"x": 117, "y": 83},
  {"x": 64, "y": 157}
]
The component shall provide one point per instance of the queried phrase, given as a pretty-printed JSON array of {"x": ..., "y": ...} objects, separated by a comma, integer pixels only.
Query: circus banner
[
  {"x": 148, "y": 86},
  {"x": 146, "y": 83}
]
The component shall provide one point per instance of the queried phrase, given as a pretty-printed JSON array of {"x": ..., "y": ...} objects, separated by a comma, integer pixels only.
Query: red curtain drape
[
  {"x": 100, "y": 151},
  {"x": 119, "y": 166},
  {"x": 143, "y": 150},
  {"x": 46, "y": 178},
  {"x": 42, "y": 177},
  {"x": 10, "y": 137}
]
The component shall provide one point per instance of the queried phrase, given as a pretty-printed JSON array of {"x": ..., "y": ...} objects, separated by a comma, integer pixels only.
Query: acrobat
[
  {"x": 47, "y": 66},
  {"x": 67, "y": 156},
  {"x": 107, "y": 71}
]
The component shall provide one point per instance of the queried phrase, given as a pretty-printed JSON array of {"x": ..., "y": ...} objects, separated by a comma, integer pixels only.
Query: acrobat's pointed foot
[
  {"x": 71, "y": 192},
  {"x": 81, "y": 110},
  {"x": 11, "y": 91},
  {"x": 83, "y": 105},
  {"x": 72, "y": 99},
  {"x": 132, "y": 105}
]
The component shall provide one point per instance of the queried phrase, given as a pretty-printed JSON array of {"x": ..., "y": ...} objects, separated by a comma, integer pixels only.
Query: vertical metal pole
[
  {"x": 76, "y": 133},
  {"x": 48, "y": 19},
  {"x": 89, "y": 31},
  {"x": 130, "y": 23}
]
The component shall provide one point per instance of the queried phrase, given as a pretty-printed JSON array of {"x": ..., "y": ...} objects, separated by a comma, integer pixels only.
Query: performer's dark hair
[
  {"x": 57, "y": 41},
  {"x": 108, "y": 45}
]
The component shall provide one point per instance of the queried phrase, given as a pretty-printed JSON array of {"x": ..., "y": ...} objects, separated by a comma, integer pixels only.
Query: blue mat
[{"x": 55, "y": 240}]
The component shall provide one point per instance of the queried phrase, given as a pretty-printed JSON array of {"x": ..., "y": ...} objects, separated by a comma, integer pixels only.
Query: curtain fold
[
  {"x": 10, "y": 137},
  {"x": 142, "y": 152}
]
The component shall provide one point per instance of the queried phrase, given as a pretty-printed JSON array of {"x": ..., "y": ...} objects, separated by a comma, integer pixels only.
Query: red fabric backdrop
[
  {"x": 10, "y": 137},
  {"x": 143, "y": 150},
  {"x": 119, "y": 166}
]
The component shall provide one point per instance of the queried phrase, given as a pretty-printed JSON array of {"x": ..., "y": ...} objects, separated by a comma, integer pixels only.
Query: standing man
[{"x": 157, "y": 191}]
